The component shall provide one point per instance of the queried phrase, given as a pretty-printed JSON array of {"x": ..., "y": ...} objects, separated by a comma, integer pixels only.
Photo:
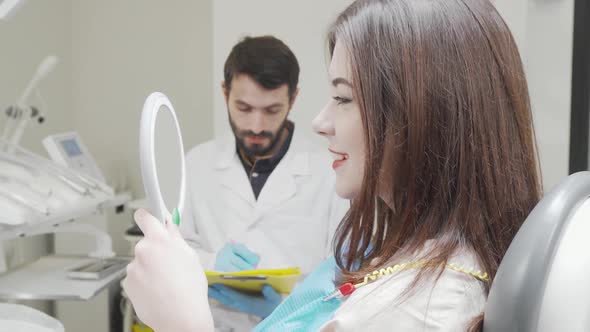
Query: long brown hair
[{"x": 448, "y": 131}]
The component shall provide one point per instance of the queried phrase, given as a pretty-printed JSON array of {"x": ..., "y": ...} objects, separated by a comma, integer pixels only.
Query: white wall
[
  {"x": 124, "y": 50},
  {"x": 302, "y": 25},
  {"x": 515, "y": 14},
  {"x": 549, "y": 43}
]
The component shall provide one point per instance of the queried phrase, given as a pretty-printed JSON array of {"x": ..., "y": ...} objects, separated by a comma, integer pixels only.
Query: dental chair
[{"x": 543, "y": 282}]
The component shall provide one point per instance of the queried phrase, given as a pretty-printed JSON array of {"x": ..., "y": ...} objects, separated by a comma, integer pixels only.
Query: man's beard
[{"x": 256, "y": 150}]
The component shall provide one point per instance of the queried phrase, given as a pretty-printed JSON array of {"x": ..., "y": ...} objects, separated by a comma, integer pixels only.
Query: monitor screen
[{"x": 71, "y": 147}]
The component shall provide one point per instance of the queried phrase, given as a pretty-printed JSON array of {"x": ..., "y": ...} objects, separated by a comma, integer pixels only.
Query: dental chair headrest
[{"x": 543, "y": 282}]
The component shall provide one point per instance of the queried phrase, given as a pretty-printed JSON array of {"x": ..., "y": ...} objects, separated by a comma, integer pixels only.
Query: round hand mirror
[{"x": 162, "y": 158}]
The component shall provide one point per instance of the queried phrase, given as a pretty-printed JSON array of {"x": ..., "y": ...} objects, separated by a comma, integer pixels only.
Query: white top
[{"x": 448, "y": 304}]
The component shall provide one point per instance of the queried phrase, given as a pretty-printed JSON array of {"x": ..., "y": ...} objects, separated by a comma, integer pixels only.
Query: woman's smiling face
[{"x": 340, "y": 122}]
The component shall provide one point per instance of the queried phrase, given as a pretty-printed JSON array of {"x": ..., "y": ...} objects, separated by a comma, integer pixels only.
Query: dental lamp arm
[{"x": 45, "y": 67}]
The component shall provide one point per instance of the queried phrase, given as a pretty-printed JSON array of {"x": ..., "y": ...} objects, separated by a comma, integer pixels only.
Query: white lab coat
[
  {"x": 447, "y": 304},
  {"x": 291, "y": 224}
]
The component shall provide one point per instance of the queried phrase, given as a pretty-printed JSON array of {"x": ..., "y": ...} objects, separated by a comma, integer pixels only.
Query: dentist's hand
[
  {"x": 235, "y": 257},
  {"x": 257, "y": 305},
  {"x": 165, "y": 282}
]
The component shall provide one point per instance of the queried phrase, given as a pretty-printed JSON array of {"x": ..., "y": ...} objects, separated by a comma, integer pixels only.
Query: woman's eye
[{"x": 342, "y": 100}]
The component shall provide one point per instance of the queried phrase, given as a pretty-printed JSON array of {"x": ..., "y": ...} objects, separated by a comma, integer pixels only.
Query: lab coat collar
[
  {"x": 294, "y": 163},
  {"x": 226, "y": 151}
]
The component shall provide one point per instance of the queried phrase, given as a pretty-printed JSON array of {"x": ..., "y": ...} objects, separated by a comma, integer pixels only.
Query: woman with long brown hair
[{"x": 431, "y": 130}]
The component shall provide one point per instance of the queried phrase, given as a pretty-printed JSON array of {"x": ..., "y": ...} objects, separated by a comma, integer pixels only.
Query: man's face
[{"x": 256, "y": 115}]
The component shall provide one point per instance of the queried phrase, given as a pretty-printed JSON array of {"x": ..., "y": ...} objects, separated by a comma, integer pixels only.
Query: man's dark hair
[{"x": 266, "y": 59}]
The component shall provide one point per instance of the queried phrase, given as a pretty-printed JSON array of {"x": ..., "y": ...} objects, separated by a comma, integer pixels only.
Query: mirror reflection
[{"x": 167, "y": 150}]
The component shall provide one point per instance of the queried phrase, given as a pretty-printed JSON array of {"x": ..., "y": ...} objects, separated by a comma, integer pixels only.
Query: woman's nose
[{"x": 322, "y": 124}]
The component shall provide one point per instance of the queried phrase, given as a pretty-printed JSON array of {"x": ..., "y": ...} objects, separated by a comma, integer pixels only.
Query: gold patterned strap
[
  {"x": 377, "y": 274},
  {"x": 477, "y": 274}
]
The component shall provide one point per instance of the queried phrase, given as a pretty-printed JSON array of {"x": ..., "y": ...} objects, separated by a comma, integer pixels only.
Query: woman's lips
[{"x": 339, "y": 158}]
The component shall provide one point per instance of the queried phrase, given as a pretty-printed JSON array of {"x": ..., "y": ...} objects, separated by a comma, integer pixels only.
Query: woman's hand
[{"x": 165, "y": 282}]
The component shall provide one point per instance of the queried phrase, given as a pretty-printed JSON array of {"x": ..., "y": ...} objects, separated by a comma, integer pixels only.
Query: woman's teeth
[{"x": 338, "y": 156}]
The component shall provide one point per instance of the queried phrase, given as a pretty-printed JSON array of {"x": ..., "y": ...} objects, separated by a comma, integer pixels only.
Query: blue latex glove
[
  {"x": 257, "y": 305},
  {"x": 235, "y": 257}
]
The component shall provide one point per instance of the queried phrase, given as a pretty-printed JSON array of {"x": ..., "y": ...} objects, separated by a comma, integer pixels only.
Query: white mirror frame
[{"x": 155, "y": 103}]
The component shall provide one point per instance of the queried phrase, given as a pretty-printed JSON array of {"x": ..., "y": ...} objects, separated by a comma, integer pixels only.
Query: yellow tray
[
  {"x": 141, "y": 328},
  {"x": 282, "y": 280}
]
